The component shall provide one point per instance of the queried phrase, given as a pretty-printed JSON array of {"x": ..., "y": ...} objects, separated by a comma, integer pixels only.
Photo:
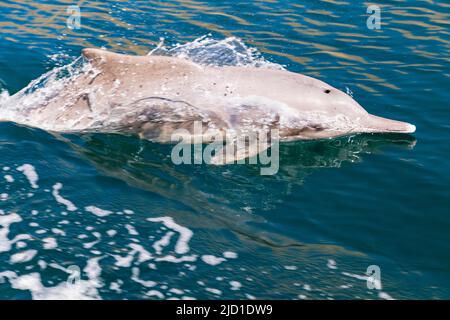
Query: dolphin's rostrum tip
[{"x": 412, "y": 128}]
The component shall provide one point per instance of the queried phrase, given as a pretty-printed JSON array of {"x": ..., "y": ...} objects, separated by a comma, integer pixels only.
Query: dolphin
[{"x": 152, "y": 96}]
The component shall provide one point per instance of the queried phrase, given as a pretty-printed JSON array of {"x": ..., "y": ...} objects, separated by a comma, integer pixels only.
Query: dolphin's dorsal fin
[
  {"x": 96, "y": 56},
  {"x": 116, "y": 62}
]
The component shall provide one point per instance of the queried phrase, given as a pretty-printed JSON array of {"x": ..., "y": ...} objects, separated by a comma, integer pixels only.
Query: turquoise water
[{"x": 136, "y": 226}]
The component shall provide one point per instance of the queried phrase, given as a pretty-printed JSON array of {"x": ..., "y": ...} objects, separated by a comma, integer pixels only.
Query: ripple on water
[{"x": 116, "y": 254}]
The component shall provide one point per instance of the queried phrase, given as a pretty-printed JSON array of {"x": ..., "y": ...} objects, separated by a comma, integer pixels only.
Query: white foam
[
  {"x": 131, "y": 230},
  {"x": 42, "y": 264},
  {"x": 30, "y": 173},
  {"x": 212, "y": 260},
  {"x": 176, "y": 291},
  {"x": 163, "y": 242},
  {"x": 49, "y": 243},
  {"x": 111, "y": 233},
  {"x": 235, "y": 285},
  {"x": 79, "y": 290},
  {"x": 123, "y": 262},
  {"x": 376, "y": 282},
  {"x": 214, "y": 291},
  {"x": 93, "y": 271},
  {"x": 115, "y": 286},
  {"x": 356, "y": 276},
  {"x": 145, "y": 283},
  {"x": 155, "y": 293},
  {"x": 292, "y": 268},
  {"x": 97, "y": 211},
  {"x": 23, "y": 256},
  {"x": 331, "y": 264},
  {"x": 69, "y": 205},
  {"x": 9, "y": 178},
  {"x": 170, "y": 258},
  {"x": 230, "y": 255},
  {"x": 385, "y": 296},
  {"x": 182, "y": 245},
  {"x": 21, "y": 244},
  {"x": 142, "y": 253},
  {"x": 58, "y": 231},
  {"x": 89, "y": 245},
  {"x": 5, "y": 222}
]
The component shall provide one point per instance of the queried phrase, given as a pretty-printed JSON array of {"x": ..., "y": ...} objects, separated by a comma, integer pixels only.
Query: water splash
[
  {"x": 41, "y": 90},
  {"x": 48, "y": 85},
  {"x": 4, "y": 96},
  {"x": 208, "y": 51},
  {"x": 349, "y": 91}
]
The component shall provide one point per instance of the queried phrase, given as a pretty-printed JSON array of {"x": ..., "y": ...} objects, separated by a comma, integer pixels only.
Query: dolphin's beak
[{"x": 374, "y": 124}]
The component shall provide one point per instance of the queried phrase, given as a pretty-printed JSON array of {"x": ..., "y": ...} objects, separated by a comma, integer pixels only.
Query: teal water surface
[{"x": 111, "y": 217}]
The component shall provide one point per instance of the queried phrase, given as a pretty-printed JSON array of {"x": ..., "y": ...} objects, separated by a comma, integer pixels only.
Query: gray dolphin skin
[{"x": 152, "y": 96}]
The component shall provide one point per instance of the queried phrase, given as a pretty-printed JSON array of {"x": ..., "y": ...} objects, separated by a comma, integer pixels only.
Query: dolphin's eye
[{"x": 327, "y": 91}]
